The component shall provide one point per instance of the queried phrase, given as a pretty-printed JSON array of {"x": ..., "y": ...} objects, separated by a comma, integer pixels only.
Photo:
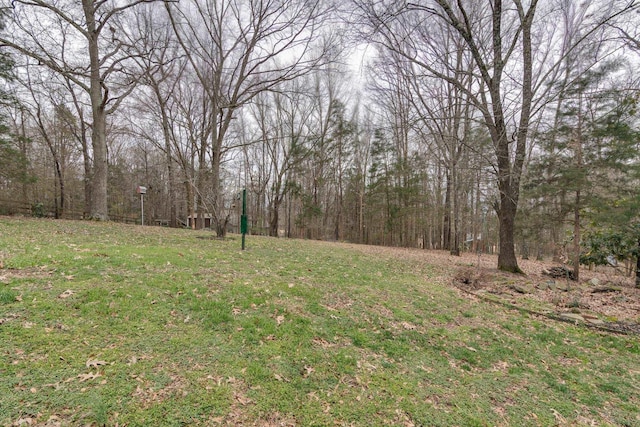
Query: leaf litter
[
  {"x": 477, "y": 274},
  {"x": 66, "y": 294},
  {"x": 95, "y": 363}
]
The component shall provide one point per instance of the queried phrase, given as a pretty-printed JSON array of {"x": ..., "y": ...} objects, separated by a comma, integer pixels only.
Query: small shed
[{"x": 207, "y": 220}]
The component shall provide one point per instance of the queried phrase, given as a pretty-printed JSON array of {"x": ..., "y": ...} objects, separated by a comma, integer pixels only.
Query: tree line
[{"x": 495, "y": 125}]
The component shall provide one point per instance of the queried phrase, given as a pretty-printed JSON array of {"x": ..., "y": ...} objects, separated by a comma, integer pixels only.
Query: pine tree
[
  {"x": 614, "y": 227},
  {"x": 13, "y": 162},
  {"x": 585, "y": 172}
]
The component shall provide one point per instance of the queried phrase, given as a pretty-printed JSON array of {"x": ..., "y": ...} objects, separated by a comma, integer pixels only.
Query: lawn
[{"x": 105, "y": 324}]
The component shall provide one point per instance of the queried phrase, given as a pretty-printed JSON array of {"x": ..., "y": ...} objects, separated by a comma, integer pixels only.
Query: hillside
[{"x": 110, "y": 324}]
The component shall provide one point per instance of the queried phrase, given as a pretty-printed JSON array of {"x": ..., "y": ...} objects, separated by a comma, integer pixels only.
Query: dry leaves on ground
[{"x": 479, "y": 273}]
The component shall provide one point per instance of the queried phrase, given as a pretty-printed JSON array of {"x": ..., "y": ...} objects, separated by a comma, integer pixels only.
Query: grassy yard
[{"x": 108, "y": 324}]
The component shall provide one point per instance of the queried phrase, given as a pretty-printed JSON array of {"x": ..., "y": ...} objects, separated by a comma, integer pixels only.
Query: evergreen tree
[
  {"x": 13, "y": 162},
  {"x": 585, "y": 158},
  {"x": 613, "y": 231}
]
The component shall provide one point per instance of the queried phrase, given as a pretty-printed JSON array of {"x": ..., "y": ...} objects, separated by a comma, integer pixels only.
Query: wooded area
[{"x": 507, "y": 126}]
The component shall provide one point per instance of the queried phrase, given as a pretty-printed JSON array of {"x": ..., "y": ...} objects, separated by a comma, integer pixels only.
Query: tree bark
[
  {"x": 446, "y": 221},
  {"x": 99, "y": 178},
  {"x": 275, "y": 218},
  {"x": 576, "y": 237},
  {"x": 638, "y": 266},
  {"x": 507, "y": 260},
  {"x": 577, "y": 206},
  {"x": 81, "y": 136},
  {"x": 490, "y": 62},
  {"x": 166, "y": 134},
  {"x": 173, "y": 211}
]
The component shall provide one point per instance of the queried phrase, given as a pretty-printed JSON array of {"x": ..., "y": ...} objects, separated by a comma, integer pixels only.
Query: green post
[{"x": 243, "y": 218}]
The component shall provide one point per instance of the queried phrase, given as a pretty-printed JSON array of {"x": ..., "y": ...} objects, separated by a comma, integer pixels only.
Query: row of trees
[{"x": 460, "y": 125}]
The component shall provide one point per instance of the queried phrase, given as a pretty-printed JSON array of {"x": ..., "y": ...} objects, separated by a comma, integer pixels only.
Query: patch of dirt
[
  {"x": 148, "y": 394},
  {"x": 604, "y": 297},
  {"x": 6, "y": 274}
]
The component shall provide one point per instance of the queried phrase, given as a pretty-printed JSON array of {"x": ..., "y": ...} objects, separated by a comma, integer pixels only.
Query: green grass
[{"x": 106, "y": 324}]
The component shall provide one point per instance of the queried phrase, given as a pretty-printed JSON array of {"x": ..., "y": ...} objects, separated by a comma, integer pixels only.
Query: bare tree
[
  {"x": 284, "y": 119},
  {"x": 162, "y": 69},
  {"x": 81, "y": 43},
  {"x": 51, "y": 129},
  {"x": 492, "y": 46},
  {"x": 358, "y": 173},
  {"x": 390, "y": 91},
  {"x": 328, "y": 91},
  {"x": 510, "y": 75},
  {"x": 238, "y": 49}
]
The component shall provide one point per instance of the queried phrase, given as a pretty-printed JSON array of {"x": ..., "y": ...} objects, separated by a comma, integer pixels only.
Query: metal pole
[{"x": 142, "y": 208}]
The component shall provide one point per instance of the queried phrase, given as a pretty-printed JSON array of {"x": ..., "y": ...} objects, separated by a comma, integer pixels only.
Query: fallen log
[{"x": 559, "y": 272}]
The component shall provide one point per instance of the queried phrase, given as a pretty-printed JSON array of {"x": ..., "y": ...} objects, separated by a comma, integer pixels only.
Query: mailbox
[{"x": 142, "y": 190}]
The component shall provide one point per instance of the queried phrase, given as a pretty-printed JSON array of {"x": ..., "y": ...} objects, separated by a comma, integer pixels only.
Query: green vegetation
[{"x": 105, "y": 324}]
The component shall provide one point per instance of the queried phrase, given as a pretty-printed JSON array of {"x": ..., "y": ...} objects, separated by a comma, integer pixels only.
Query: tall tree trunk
[
  {"x": 217, "y": 196},
  {"x": 509, "y": 174},
  {"x": 86, "y": 180},
  {"x": 166, "y": 133},
  {"x": 339, "y": 212},
  {"x": 446, "y": 225},
  {"x": 638, "y": 266},
  {"x": 188, "y": 185},
  {"x": 576, "y": 237},
  {"x": 576, "y": 208},
  {"x": 59, "y": 208},
  {"x": 361, "y": 213},
  {"x": 506, "y": 219},
  {"x": 477, "y": 218},
  {"x": 99, "y": 177},
  {"x": 22, "y": 141},
  {"x": 289, "y": 213},
  {"x": 275, "y": 218},
  {"x": 455, "y": 246},
  {"x": 86, "y": 157}
]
